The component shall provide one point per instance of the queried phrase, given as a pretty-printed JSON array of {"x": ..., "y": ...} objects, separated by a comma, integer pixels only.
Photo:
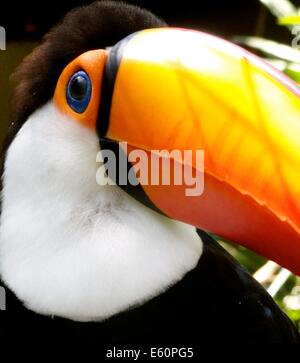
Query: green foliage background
[{"x": 286, "y": 58}]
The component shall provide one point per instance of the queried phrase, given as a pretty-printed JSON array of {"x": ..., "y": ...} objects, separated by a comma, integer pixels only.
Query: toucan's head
[{"x": 108, "y": 81}]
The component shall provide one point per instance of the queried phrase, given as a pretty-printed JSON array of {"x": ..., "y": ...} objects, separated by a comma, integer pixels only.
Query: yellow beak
[{"x": 185, "y": 90}]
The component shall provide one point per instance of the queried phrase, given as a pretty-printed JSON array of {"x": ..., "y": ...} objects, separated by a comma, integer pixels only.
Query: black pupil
[{"x": 78, "y": 88}]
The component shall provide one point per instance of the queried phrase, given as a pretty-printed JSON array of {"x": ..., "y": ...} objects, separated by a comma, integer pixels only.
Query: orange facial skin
[{"x": 92, "y": 62}]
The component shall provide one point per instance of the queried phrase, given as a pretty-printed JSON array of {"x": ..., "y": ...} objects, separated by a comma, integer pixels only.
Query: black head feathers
[{"x": 96, "y": 26}]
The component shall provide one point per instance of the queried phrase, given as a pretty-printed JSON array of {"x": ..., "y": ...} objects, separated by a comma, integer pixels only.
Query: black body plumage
[{"x": 218, "y": 301}]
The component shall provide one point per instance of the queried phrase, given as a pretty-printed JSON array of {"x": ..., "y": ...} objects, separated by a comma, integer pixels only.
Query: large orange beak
[{"x": 185, "y": 90}]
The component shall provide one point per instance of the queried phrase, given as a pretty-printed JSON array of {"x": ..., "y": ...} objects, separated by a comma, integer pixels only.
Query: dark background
[
  {"x": 27, "y": 21},
  {"x": 31, "y": 19}
]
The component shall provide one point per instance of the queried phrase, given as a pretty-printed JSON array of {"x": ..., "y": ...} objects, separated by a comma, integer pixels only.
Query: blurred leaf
[
  {"x": 292, "y": 300},
  {"x": 289, "y": 20},
  {"x": 293, "y": 71},
  {"x": 265, "y": 274},
  {"x": 249, "y": 259},
  {"x": 294, "y": 315},
  {"x": 282, "y": 284},
  {"x": 270, "y": 48},
  {"x": 280, "y": 8}
]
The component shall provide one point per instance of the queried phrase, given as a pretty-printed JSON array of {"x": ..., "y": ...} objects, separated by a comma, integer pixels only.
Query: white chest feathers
[{"x": 72, "y": 248}]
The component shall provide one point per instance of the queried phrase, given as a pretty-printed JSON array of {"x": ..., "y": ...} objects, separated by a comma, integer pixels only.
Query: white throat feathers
[{"x": 72, "y": 248}]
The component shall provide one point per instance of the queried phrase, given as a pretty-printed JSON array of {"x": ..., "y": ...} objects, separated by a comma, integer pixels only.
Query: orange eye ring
[{"x": 92, "y": 65}]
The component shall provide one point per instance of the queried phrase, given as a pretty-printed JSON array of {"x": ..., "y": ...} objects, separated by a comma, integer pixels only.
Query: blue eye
[{"x": 79, "y": 91}]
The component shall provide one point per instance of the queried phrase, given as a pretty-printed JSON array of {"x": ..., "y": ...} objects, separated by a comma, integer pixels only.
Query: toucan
[{"x": 83, "y": 260}]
